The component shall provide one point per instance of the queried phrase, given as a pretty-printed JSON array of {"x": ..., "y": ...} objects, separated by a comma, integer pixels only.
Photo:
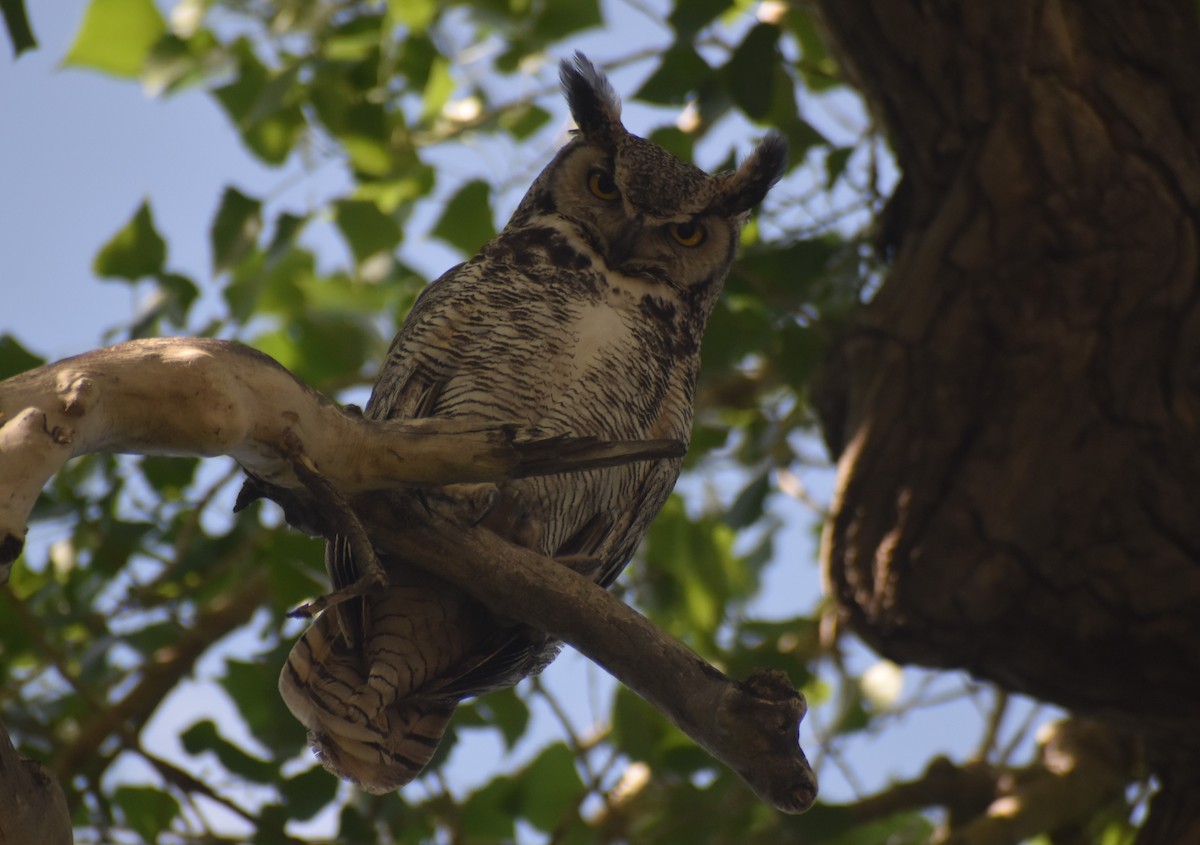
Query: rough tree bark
[
  {"x": 1017, "y": 408},
  {"x": 206, "y": 397}
]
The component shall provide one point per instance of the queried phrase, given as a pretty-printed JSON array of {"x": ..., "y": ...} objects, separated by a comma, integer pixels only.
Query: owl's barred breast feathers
[{"x": 583, "y": 317}]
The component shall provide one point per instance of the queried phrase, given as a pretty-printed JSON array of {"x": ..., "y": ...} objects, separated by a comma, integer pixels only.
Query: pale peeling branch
[
  {"x": 204, "y": 397},
  {"x": 751, "y": 726}
]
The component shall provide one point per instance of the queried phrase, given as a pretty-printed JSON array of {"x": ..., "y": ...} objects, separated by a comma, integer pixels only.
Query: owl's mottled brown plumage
[{"x": 583, "y": 317}]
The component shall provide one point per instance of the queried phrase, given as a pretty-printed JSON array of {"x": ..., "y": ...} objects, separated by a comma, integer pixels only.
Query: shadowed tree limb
[
  {"x": 32, "y": 805},
  {"x": 751, "y": 726},
  {"x": 1081, "y": 768}
]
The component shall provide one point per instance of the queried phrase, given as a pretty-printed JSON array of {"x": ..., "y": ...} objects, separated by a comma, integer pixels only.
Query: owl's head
[{"x": 647, "y": 213}]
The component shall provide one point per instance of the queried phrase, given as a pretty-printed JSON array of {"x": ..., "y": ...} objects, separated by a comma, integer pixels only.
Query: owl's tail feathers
[{"x": 358, "y": 733}]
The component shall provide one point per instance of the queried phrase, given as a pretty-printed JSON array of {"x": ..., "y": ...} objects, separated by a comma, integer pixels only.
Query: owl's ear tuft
[
  {"x": 594, "y": 104},
  {"x": 745, "y": 187}
]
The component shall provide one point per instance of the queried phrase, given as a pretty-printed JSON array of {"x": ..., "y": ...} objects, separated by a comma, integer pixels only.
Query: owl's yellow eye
[
  {"x": 602, "y": 185},
  {"x": 687, "y": 234}
]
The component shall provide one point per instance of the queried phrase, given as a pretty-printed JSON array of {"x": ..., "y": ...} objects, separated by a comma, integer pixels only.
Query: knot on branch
[{"x": 762, "y": 715}]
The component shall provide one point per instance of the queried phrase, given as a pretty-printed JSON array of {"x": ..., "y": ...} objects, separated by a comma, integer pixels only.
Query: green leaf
[
  {"x": 416, "y": 15},
  {"x": 415, "y": 61},
  {"x": 137, "y": 250},
  {"x": 169, "y": 476},
  {"x": 550, "y": 788},
  {"x": 747, "y": 508},
  {"x": 691, "y": 574},
  {"x": 170, "y": 300},
  {"x": 175, "y": 63},
  {"x": 783, "y": 277},
  {"x": 120, "y": 541},
  {"x": 690, "y": 16},
  {"x": 287, "y": 229},
  {"x": 489, "y": 813},
  {"x": 801, "y": 350},
  {"x": 680, "y": 72},
  {"x": 178, "y": 292},
  {"x": 147, "y": 810},
  {"x": 16, "y": 21},
  {"x": 367, "y": 230},
  {"x": 319, "y": 348},
  {"x": 261, "y": 104},
  {"x": 275, "y": 288},
  {"x": 467, "y": 223},
  {"x": 750, "y": 74},
  {"x": 235, "y": 229},
  {"x": 638, "y": 729},
  {"x": 910, "y": 826},
  {"x": 505, "y": 710},
  {"x": 116, "y": 36},
  {"x": 560, "y": 19},
  {"x": 204, "y": 736},
  {"x": 643, "y": 734},
  {"x": 353, "y": 828},
  {"x": 835, "y": 164},
  {"x": 356, "y": 40},
  {"x": 438, "y": 88},
  {"x": 307, "y": 793},
  {"x": 254, "y": 688},
  {"x": 737, "y": 328},
  {"x": 524, "y": 120},
  {"x": 15, "y": 358}
]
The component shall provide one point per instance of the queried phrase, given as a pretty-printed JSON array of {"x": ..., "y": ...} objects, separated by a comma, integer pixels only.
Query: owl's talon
[{"x": 368, "y": 582}]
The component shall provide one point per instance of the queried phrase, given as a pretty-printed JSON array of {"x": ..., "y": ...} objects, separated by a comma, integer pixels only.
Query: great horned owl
[{"x": 583, "y": 317}]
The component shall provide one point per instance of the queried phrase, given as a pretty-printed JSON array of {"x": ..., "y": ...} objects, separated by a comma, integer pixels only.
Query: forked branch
[{"x": 203, "y": 397}]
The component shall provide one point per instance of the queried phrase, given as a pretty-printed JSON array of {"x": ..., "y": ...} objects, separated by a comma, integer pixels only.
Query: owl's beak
[{"x": 622, "y": 247}]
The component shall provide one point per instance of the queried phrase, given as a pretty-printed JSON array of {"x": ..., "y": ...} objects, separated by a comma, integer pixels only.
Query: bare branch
[{"x": 204, "y": 397}]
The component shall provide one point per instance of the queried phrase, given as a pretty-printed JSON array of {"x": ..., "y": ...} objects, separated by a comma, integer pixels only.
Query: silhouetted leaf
[
  {"x": 559, "y": 19},
  {"x": 550, "y": 788},
  {"x": 307, "y": 793},
  {"x": 15, "y": 358},
  {"x": 235, "y": 229},
  {"x": 750, "y": 74},
  {"x": 523, "y": 121},
  {"x": 205, "y": 736},
  {"x": 137, "y": 250},
  {"x": 148, "y": 810},
  {"x": 690, "y": 16},
  {"x": 489, "y": 813},
  {"x": 366, "y": 229},
  {"x": 260, "y": 103},
  {"x": 680, "y": 71},
  {"x": 467, "y": 222},
  {"x": 16, "y": 21}
]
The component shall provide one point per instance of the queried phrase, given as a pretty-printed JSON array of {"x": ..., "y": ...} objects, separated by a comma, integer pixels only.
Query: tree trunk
[{"x": 1017, "y": 409}]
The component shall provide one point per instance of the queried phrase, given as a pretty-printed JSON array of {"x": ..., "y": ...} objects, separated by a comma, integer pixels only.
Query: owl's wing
[{"x": 427, "y": 351}]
